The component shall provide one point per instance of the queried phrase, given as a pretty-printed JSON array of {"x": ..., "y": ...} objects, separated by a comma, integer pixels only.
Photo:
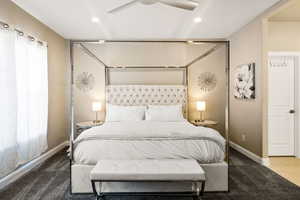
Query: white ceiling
[{"x": 72, "y": 18}]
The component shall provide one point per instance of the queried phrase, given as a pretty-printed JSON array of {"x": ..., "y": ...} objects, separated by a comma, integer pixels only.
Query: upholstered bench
[{"x": 169, "y": 170}]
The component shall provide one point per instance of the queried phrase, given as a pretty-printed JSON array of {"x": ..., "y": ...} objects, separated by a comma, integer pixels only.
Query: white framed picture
[{"x": 244, "y": 81}]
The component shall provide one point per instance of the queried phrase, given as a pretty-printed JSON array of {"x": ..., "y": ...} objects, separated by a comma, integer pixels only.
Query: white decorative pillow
[
  {"x": 116, "y": 113},
  {"x": 169, "y": 113}
]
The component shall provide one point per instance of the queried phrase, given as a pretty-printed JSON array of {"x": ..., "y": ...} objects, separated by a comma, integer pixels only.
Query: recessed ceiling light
[
  {"x": 197, "y": 19},
  {"x": 95, "y": 19}
]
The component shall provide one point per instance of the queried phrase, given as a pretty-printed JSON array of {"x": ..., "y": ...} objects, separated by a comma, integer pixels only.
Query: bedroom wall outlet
[{"x": 243, "y": 137}]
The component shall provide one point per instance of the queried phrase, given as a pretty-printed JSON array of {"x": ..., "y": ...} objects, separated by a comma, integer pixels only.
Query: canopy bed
[{"x": 148, "y": 122}]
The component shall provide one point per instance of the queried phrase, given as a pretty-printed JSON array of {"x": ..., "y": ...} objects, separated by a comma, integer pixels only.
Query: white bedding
[{"x": 149, "y": 140}]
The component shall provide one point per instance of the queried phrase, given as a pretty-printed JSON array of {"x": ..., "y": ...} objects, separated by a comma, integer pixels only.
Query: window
[{"x": 23, "y": 100}]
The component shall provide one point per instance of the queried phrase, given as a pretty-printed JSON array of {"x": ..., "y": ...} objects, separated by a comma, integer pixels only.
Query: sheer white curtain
[
  {"x": 32, "y": 98},
  {"x": 24, "y": 86},
  {"x": 8, "y": 103}
]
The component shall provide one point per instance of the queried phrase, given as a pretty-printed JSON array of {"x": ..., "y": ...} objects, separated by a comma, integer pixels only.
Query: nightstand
[
  {"x": 205, "y": 123},
  {"x": 82, "y": 126}
]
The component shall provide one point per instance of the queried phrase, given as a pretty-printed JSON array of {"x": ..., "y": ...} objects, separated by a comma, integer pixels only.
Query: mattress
[{"x": 149, "y": 140}]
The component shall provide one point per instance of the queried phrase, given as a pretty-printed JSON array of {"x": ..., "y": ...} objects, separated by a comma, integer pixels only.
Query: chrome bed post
[{"x": 107, "y": 83}]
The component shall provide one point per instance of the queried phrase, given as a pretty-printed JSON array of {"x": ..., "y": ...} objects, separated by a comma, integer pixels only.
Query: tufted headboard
[{"x": 147, "y": 95}]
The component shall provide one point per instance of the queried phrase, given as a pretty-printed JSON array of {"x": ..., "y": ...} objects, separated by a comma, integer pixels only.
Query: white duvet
[{"x": 149, "y": 140}]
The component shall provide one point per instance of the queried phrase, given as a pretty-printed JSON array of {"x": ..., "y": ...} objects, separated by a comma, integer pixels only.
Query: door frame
[{"x": 296, "y": 95}]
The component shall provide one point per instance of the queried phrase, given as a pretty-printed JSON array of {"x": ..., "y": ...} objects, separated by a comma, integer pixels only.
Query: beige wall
[
  {"x": 215, "y": 99},
  {"x": 83, "y": 100},
  {"x": 246, "y": 115},
  {"x": 290, "y": 12},
  {"x": 150, "y": 54},
  {"x": 284, "y": 35},
  {"x": 249, "y": 117},
  {"x": 13, "y": 15},
  {"x": 123, "y": 54}
]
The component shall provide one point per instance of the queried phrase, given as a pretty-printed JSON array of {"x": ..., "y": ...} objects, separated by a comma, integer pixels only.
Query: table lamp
[
  {"x": 201, "y": 107},
  {"x": 96, "y": 107}
]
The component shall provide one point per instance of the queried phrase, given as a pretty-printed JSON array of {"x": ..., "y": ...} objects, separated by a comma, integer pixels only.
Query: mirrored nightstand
[
  {"x": 82, "y": 126},
  {"x": 205, "y": 123}
]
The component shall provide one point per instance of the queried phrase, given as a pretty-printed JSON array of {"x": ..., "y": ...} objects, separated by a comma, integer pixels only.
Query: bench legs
[
  {"x": 99, "y": 195},
  {"x": 202, "y": 188},
  {"x": 199, "y": 191}
]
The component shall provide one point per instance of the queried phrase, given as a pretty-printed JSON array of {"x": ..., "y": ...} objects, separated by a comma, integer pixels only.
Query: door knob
[{"x": 292, "y": 111}]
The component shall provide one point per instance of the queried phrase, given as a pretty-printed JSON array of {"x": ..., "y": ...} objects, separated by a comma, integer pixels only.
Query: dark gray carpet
[{"x": 248, "y": 181}]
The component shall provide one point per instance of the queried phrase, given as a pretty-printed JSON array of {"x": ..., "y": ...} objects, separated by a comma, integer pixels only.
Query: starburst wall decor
[
  {"x": 207, "y": 81},
  {"x": 85, "y": 81}
]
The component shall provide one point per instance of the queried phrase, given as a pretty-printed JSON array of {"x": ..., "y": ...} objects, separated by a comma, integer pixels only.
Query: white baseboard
[
  {"x": 249, "y": 154},
  {"x": 266, "y": 162},
  {"x": 21, "y": 171}
]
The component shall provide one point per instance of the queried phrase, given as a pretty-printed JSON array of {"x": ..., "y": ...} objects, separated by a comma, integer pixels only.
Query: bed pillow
[
  {"x": 169, "y": 113},
  {"x": 116, "y": 113}
]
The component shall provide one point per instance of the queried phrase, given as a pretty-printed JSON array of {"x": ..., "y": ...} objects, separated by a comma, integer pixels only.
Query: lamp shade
[
  {"x": 201, "y": 105},
  {"x": 97, "y": 106}
]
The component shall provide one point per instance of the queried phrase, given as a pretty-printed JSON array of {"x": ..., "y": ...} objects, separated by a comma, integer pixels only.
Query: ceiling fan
[{"x": 182, "y": 4}]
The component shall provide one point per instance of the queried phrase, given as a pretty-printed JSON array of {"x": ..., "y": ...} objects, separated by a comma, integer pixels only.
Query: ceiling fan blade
[
  {"x": 124, "y": 6},
  {"x": 183, "y": 4}
]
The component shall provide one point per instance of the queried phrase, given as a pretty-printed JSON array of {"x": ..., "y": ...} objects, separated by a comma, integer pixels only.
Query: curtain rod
[
  {"x": 21, "y": 33},
  {"x": 4, "y": 25}
]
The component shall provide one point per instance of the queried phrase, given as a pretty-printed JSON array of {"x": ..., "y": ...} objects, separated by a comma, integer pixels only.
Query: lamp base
[
  {"x": 201, "y": 116},
  {"x": 96, "y": 121}
]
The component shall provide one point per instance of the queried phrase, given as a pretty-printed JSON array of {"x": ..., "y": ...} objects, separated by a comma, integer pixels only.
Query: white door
[{"x": 281, "y": 115}]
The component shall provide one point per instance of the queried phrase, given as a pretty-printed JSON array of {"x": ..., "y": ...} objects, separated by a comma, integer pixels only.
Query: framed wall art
[{"x": 244, "y": 81}]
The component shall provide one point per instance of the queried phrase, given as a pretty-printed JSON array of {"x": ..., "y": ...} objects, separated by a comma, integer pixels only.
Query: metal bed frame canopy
[{"x": 185, "y": 68}]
